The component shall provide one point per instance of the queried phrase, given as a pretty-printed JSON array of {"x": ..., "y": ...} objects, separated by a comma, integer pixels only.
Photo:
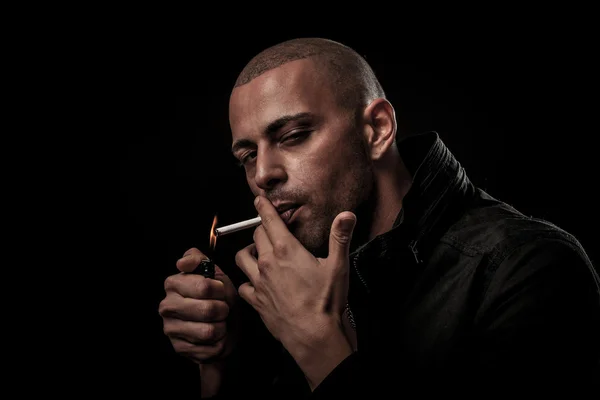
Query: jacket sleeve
[
  {"x": 538, "y": 326},
  {"x": 252, "y": 366},
  {"x": 345, "y": 381}
]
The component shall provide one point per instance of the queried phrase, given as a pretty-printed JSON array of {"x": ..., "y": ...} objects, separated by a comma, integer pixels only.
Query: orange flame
[{"x": 213, "y": 237}]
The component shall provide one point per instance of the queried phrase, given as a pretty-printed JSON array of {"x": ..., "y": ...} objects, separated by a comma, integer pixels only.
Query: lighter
[{"x": 206, "y": 268}]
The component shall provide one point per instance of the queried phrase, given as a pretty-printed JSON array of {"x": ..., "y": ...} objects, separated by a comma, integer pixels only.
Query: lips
[
  {"x": 286, "y": 211},
  {"x": 287, "y": 215}
]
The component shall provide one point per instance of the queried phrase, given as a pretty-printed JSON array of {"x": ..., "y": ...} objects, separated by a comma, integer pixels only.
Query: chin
[{"x": 311, "y": 239}]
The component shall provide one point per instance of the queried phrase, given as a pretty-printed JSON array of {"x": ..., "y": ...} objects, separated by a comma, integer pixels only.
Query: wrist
[
  {"x": 320, "y": 352},
  {"x": 211, "y": 377}
]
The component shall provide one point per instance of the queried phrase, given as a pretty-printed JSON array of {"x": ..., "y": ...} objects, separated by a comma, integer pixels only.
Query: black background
[{"x": 515, "y": 101}]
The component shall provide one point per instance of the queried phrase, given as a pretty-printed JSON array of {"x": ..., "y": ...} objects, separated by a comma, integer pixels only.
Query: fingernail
[
  {"x": 256, "y": 200},
  {"x": 347, "y": 224}
]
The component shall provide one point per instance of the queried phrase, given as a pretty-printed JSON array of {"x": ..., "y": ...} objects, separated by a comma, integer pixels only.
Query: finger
[
  {"x": 263, "y": 245},
  {"x": 199, "y": 333},
  {"x": 194, "y": 310},
  {"x": 247, "y": 262},
  {"x": 202, "y": 353},
  {"x": 340, "y": 237},
  {"x": 229, "y": 287},
  {"x": 190, "y": 260},
  {"x": 195, "y": 286},
  {"x": 276, "y": 230},
  {"x": 246, "y": 291}
]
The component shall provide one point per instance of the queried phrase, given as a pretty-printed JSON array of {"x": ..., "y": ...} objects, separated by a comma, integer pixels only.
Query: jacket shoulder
[{"x": 489, "y": 225}]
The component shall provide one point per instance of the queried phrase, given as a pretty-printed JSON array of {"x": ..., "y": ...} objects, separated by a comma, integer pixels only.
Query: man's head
[{"x": 311, "y": 126}]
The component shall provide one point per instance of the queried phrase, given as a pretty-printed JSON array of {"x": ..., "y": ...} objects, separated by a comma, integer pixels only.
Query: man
[{"x": 378, "y": 266}]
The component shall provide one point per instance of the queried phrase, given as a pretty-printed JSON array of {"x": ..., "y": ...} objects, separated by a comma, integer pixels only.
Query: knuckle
[
  {"x": 163, "y": 307},
  {"x": 280, "y": 248},
  {"x": 263, "y": 264},
  {"x": 216, "y": 311},
  {"x": 213, "y": 311},
  {"x": 224, "y": 310},
  {"x": 184, "y": 348},
  {"x": 179, "y": 346},
  {"x": 220, "y": 346},
  {"x": 202, "y": 288},
  {"x": 168, "y": 329},
  {"x": 169, "y": 284},
  {"x": 242, "y": 291},
  {"x": 169, "y": 308},
  {"x": 209, "y": 331},
  {"x": 195, "y": 259},
  {"x": 220, "y": 331}
]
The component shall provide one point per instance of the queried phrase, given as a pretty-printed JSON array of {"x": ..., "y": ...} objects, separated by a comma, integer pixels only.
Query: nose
[{"x": 269, "y": 171}]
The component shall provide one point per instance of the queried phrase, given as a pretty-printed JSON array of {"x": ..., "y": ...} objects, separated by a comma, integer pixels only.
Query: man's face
[{"x": 300, "y": 149}]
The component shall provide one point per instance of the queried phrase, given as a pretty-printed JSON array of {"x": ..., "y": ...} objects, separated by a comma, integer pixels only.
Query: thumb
[{"x": 341, "y": 236}]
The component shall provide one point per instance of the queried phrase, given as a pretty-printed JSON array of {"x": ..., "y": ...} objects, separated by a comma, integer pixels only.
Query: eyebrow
[{"x": 271, "y": 129}]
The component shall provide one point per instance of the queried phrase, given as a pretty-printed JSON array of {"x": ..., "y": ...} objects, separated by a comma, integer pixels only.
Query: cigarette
[{"x": 238, "y": 226}]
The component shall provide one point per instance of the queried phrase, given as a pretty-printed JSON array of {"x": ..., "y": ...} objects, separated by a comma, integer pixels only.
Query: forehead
[{"x": 295, "y": 87}]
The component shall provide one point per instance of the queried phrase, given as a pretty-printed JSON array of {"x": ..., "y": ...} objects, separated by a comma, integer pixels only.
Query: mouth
[{"x": 286, "y": 212}]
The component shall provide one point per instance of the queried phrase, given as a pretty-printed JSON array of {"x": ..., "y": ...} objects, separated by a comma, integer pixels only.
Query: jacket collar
[{"x": 439, "y": 192}]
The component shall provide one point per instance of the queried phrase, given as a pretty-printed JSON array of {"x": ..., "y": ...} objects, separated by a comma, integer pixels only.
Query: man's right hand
[{"x": 196, "y": 311}]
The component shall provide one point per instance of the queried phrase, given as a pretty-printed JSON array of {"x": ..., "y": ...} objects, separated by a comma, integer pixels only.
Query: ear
[{"x": 381, "y": 127}]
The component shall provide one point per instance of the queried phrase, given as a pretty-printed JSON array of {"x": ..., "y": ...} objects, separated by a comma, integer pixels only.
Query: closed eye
[
  {"x": 292, "y": 138},
  {"x": 246, "y": 157}
]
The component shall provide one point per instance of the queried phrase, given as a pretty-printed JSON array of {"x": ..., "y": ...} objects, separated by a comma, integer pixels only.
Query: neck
[{"x": 391, "y": 183}]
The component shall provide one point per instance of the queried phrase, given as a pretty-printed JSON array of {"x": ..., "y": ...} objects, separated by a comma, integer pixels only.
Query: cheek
[
  {"x": 320, "y": 177},
  {"x": 312, "y": 172},
  {"x": 308, "y": 173}
]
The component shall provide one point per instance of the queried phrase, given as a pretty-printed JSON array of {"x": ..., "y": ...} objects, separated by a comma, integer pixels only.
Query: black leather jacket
[{"x": 465, "y": 295}]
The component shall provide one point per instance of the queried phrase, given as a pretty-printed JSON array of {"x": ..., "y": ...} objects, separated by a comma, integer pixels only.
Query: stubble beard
[{"x": 354, "y": 196}]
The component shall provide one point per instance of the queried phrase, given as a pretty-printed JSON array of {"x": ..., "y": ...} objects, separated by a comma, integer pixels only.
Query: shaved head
[
  {"x": 351, "y": 79},
  {"x": 309, "y": 122}
]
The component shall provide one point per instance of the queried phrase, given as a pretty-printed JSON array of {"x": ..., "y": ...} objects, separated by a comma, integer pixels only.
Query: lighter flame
[{"x": 213, "y": 237}]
